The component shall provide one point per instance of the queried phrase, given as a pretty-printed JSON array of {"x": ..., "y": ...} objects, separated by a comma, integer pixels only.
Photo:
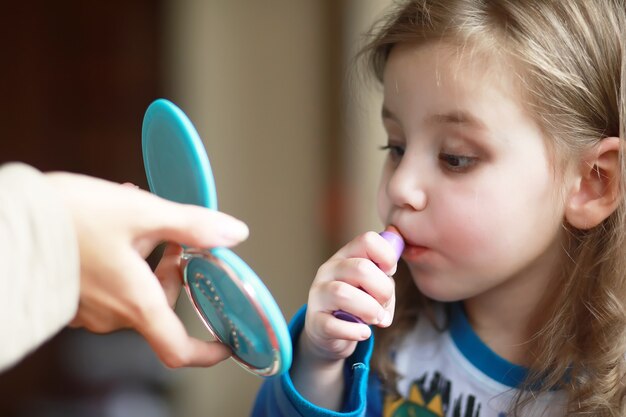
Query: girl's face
[{"x": 468, "y": 181}]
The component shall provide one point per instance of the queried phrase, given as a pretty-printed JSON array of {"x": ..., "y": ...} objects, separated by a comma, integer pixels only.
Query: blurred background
[{"x": 291, "y": 133}]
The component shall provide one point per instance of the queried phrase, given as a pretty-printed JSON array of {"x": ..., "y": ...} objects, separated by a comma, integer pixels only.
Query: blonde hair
[{"x": 570, "y": 58}]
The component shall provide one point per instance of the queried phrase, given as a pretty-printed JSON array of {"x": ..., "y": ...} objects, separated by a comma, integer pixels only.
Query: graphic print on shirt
[{"x": 431, "y": 400}]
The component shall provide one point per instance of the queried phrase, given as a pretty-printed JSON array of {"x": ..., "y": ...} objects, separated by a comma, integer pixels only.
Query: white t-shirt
[{"x": 453, "y": 373}]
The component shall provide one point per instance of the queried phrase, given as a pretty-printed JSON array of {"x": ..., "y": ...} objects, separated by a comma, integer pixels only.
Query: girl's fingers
[
  {"x": 356, "y": 286},
  {"x": 370, "y": 246},
  {"x": 355, "y": 280},
  {"x": 337, "y": 295},
  {"x": 333, "y": 331},
  {"x": 360, "y": 273}
]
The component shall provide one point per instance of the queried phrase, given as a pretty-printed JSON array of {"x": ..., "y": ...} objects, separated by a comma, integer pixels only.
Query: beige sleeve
[{"x": 39, "y": 263}]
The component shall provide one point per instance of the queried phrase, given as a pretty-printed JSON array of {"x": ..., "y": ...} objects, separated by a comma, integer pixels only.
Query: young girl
[{"x": 505, "y": 176}]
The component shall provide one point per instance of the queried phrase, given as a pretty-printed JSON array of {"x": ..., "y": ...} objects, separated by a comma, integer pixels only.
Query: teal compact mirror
[{"x": 227, "y": 295}]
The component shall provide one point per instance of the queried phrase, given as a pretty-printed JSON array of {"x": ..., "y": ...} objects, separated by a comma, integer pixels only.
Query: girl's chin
[{"x": 437, "y": 290}]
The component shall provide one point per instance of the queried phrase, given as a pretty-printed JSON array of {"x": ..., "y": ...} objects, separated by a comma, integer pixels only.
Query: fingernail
[
  {"x": 234, "y": 230},
  {"x": 366, "y": 333},
  {"x": 388, "y": 319},
  {"x": 382, "y": 314}
]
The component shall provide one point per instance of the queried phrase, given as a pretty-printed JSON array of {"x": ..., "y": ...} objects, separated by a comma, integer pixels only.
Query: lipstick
[{"x": 391, "y": 235}]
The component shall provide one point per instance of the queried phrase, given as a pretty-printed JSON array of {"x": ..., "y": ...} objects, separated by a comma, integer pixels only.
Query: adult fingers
[
  {"x": 169, "y": 274},
  {"x": 166, "y": 334},
  {"x": 98, "y": 321},
  {"x": 195, "y": 226}
]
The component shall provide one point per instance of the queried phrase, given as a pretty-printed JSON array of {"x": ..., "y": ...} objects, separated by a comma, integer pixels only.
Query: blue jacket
[{"x": 278, "y": 397}]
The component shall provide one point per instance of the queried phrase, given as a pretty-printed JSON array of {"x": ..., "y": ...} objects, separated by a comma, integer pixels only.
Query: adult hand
[{"x": 117, "y": 227}]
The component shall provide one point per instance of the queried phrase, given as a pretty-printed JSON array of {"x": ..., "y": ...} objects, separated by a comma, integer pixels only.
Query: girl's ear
[{"x": 596, "y": 191}]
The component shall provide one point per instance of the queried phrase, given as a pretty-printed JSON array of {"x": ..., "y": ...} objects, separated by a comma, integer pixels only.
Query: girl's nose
[{"x": 406, "y": 187}]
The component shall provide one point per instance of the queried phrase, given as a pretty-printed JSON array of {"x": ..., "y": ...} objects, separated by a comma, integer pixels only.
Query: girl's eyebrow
[
  {"x": 457, "y": 117},
  {"x": 387, "y": 114}
]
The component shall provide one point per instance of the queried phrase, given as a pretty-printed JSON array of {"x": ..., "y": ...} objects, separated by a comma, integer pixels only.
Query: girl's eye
[
  {"x": 457, "y": 163},
  {"x": 396, "y": 152}
]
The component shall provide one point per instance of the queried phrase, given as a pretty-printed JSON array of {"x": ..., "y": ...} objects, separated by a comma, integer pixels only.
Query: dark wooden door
[{"x": 75, "y": 79}]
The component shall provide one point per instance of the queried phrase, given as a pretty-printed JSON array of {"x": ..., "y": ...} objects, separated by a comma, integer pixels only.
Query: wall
[
  {"x": 266, "y": 84},
  {"x": 251, "y": 75}
]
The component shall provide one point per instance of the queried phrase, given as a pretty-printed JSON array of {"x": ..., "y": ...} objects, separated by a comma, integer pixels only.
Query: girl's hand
[{"x": 356, "y": 280}]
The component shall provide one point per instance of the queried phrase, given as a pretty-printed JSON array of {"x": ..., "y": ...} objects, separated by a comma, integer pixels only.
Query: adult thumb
[{"x": 198, "y": 226}]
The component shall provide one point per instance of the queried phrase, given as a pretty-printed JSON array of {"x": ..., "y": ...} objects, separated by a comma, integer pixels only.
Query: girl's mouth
[{"x": 414, "y": 252}]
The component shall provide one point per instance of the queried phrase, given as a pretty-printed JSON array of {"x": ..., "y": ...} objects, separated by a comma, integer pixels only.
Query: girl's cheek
[
  {"x": 468, "y": 227},
  {"x": 463, "y": 237}
]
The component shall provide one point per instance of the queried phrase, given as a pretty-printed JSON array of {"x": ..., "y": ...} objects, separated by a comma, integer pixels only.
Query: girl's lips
[{"x": 413, "y": 252}]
